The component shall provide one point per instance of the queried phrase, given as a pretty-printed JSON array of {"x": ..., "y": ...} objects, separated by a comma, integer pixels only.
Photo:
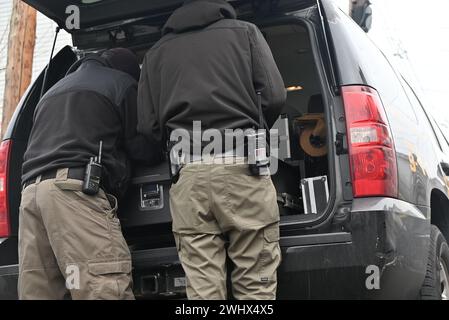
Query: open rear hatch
[
  {"x": 105, "y": 13},
  {"x": 303, "y": 182},
  {"x": 108, "y": 23}
]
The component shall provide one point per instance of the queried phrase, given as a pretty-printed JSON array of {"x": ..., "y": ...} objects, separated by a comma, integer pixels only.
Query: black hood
[
  {"x": 197, "y": 14},
  {"x": 120, "y": 59}
]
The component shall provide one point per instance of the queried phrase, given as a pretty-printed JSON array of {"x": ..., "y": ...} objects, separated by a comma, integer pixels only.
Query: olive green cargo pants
[
  {"x": 221, "y": 211},
  {"x": 71, "y": 244}
]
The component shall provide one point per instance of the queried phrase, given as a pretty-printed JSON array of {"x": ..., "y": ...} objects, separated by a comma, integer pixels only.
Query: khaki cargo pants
[
  {"x": 71, "y": 244},
  {"x": 221, "y": 211}
]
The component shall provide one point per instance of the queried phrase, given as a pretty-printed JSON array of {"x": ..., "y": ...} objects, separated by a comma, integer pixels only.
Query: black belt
[{"x": 73, "y": 173}]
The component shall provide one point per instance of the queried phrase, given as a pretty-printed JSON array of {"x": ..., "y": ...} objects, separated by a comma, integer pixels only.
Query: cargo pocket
[
  {"x": 111, "y": 280},
  {"x": 270, "y": 256},
  {"x": 183, "y": 257},
  {"x": 109, "y": 201},
  {"x": 105, "y": 205},
  {"x": 188, "y": 202},
  {"x": 72, "y": 191},
  {"x": 250, "y": 200},
  {"x": 111, "y": 212},
  {"x": 271, "y": 233},
  {"x": 178, "y": 244},
  {"x": 69, "y": 185}
]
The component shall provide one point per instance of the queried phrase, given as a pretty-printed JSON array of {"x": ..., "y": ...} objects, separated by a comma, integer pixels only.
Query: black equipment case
[{"x": 148, "y": 197}]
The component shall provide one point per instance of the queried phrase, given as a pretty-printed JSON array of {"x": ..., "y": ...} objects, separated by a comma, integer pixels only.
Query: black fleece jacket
[{"x": 91, "y": 104}]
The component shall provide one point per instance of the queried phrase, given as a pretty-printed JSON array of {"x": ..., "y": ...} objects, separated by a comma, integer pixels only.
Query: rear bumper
[
  {"x": 389, "y": 234},
  {"x": 8, "y": 282}
]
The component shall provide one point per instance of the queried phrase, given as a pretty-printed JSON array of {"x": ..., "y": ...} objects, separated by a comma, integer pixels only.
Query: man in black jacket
[
  {"x": 71, "y": 242},
  {"x": 208, "y": 67}
]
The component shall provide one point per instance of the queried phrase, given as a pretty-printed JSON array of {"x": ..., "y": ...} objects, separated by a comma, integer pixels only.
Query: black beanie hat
[{"x": 124, "y": 60}]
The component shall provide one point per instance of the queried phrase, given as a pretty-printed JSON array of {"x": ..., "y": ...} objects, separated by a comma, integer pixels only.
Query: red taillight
[
  {"x": 371, "y": 148},
  {"x": 5, "y": 228}
]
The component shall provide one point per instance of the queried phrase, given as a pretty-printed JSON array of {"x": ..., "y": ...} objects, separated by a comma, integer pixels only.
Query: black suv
[{"x": 367, "y": 220}]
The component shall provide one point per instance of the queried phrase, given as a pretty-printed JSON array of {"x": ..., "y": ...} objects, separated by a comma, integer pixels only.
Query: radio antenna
[{"x": 99, "y": 152}]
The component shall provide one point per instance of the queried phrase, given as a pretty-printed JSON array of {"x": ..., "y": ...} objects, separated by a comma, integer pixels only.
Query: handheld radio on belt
[
  {"x": 259, "y": 162},
  {"x": 92, "y": 176}
]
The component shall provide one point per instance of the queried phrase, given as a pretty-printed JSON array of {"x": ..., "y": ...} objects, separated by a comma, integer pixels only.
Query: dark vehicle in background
[{"x": 386, "y": 172}]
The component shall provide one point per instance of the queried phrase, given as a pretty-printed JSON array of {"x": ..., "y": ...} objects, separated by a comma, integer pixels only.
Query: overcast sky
[{"x": 415, "y": 35}]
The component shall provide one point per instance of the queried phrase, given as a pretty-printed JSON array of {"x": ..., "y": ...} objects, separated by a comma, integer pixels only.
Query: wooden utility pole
[{"x": 19, "y": 67}]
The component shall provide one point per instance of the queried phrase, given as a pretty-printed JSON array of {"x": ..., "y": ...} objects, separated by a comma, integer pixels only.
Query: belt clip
[{"x": 62, "y": 174}]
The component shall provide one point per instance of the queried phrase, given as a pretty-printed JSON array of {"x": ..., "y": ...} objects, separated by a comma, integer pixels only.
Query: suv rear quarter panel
[
  {"x": 359, "y": 61},
  {"x": 404, "y": 234}
]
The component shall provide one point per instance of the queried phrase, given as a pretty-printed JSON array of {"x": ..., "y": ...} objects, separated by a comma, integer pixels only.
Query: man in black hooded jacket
[{"x": 208, "y": 67}]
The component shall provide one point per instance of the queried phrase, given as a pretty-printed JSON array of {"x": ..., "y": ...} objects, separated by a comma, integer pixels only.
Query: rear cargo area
[{"x": 301, "y": 174}]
